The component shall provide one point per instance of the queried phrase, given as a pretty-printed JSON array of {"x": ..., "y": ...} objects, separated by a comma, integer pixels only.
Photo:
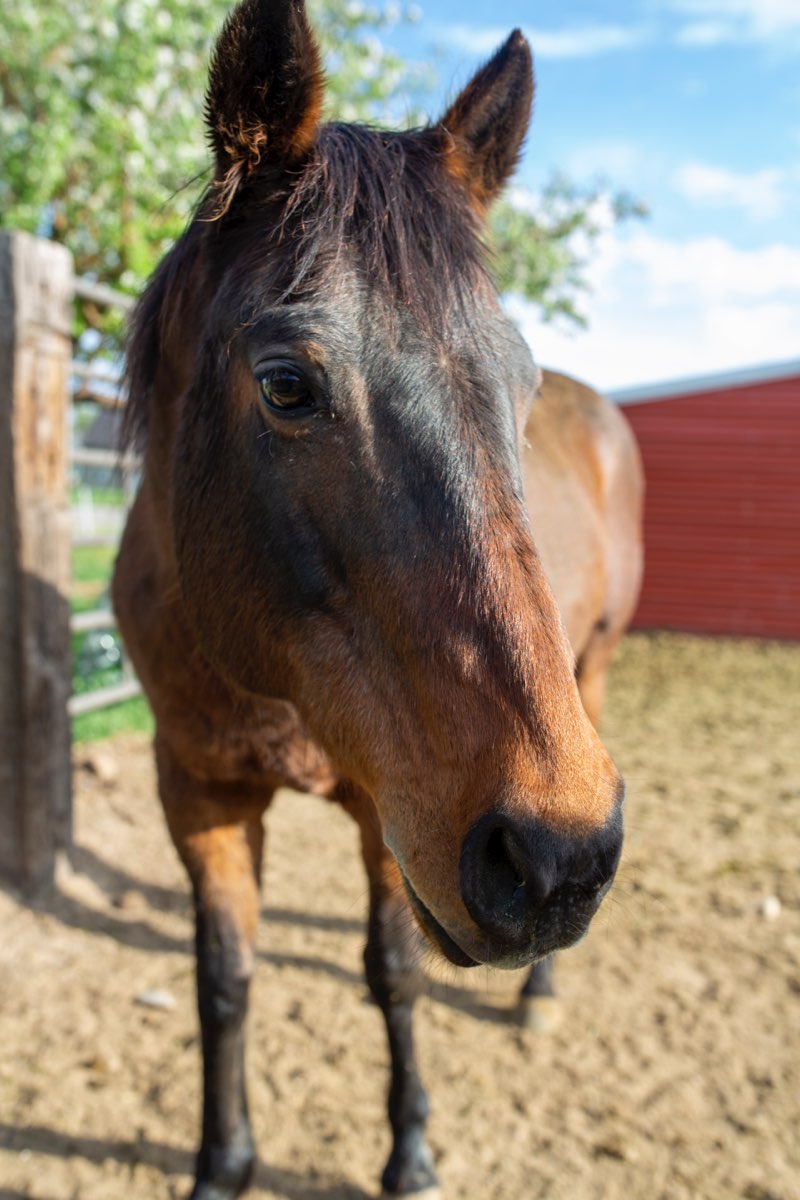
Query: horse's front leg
[
  {"x": 219, "y": 835},
  {"x": 391, "y": 960}
]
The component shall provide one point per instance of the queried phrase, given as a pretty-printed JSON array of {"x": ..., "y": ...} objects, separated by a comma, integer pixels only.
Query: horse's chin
[
  {"x": 436, "y": 934},
  {"x": 490, "y": 953}
]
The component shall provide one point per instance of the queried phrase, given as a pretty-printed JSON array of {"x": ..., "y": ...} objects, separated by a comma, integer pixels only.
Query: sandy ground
[{"x": 673, "y": 1074}]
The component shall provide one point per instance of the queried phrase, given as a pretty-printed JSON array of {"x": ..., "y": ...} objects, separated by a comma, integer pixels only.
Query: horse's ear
[
  {"x": 489, "y": 120},
  {"x": 265, "y": 88}
]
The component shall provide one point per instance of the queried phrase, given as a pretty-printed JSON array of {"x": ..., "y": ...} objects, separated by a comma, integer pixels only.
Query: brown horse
[
  {"x": 328, "y": 578},
  {"x": 584, "y": 488}
]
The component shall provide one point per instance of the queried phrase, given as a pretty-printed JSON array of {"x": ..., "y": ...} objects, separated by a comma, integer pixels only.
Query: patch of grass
[
  {"x": 91, "y": 576},
  {"x": 131, "y": 716},
  {"x": 108, "y": 497},
  {"x": 88, "y": 599},
  {"x": 92, "y": 668},
  {"x": 92, "y": 564}
]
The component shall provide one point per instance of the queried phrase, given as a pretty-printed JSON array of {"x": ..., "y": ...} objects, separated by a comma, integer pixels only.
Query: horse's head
[{"x": 348, "y": 517}]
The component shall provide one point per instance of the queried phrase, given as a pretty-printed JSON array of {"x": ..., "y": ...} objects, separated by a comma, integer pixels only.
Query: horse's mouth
[
  {"x": 553, "y": 933},
  {"x": 435, "y": 932}
]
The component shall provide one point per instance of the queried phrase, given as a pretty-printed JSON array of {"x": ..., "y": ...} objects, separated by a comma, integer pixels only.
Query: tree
[
  {"x": 102, "y": 143},
  {"x": 101, "y": 126},
  {"x": 541, "y": 245}
]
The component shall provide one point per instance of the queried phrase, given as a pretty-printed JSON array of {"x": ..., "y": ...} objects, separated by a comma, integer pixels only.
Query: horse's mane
[{"x": 385, "y": 199}]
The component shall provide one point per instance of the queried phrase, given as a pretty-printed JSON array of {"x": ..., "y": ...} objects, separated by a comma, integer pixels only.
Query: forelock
[{"x": 386, "y": 203}]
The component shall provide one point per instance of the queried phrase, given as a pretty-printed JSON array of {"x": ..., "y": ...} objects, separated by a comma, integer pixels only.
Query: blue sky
[{"x": 692, "y": 105}]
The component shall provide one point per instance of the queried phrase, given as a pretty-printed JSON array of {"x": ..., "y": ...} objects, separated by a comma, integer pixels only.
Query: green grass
[
  {"x": 108, "y": 497},
  {"x": 87, "y": 601},
  {"x": 132, "y": 716},
  {"x": 92, "y": 565},
  {"x": 91, "y": 571}
]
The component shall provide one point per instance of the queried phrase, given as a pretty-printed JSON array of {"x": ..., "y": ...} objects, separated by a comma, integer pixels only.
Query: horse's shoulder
[
  {"x": 564, "y": 428},
  {"x": 570, "y": 403},
  {"x": 579, "y": 423}
]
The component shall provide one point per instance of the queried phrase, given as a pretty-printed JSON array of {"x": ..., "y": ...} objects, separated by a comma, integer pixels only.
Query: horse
[
  {"x": 584, "y": 488},
  {"x": 328, "y": 578}
]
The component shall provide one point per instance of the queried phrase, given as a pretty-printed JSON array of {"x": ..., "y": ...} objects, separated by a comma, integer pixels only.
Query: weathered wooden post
[{"x": 35, "y": 352}]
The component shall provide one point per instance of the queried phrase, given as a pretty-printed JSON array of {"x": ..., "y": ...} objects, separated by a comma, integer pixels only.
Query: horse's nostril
[
  {"x": 504, "y": 858},
  {"x": 503, "y": 882},
  {"x": 514, "y": 868},
  {"x": 517, "y": 874}
]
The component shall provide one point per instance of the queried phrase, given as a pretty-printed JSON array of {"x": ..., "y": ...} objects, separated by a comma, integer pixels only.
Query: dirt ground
[{"x": 674, "y": 1073}]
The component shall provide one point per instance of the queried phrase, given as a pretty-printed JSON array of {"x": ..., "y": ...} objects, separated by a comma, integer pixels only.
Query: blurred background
[{"x": 691, "y": 109}]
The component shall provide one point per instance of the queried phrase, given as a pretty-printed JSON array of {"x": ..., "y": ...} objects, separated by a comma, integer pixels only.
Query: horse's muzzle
[{"x": 530, "y": 890}]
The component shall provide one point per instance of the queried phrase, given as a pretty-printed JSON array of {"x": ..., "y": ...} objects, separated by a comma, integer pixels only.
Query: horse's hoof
[
  {"x": 213, "y": 1191},
  {"x": 540, "y": 1014},
  {"x": 431, "y": 1193},
  {"x": 230, "y": 1175}
]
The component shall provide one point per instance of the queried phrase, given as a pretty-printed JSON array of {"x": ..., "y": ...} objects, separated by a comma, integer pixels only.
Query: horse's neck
[{"x": 561, "y": 493}]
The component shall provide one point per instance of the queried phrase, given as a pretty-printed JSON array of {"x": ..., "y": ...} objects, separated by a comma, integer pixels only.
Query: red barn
[{"x": 722, "y": 513}]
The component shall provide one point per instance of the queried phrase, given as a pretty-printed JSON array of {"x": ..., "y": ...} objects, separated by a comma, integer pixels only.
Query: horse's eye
[{"x": 284, "y": 389}]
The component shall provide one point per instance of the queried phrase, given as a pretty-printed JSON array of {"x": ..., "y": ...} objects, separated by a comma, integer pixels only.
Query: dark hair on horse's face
[
  {"x": 383, "y": 202},
  {"x": 410, "y": 203},
  {"x": 387, "y": 202}
]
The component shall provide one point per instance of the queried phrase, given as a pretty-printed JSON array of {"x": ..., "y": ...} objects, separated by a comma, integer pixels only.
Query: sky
[{"x": 694, "y": 107}]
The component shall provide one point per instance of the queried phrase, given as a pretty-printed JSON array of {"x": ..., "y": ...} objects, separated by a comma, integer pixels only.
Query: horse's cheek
[{"x": 231, "y": 621}]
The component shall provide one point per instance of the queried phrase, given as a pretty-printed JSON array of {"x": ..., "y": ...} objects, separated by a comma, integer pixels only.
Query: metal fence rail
[
  {"x": 115, "y": 693},
  {"x": 100, "y": 294},
  {"x": 88, "y": 457}
]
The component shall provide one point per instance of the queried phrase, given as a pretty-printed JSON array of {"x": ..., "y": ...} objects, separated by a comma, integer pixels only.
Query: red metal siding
[{"x": 722, "y": 511}]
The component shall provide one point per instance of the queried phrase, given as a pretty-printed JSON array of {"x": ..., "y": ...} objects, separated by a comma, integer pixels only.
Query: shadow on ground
[{"x": 170, "y": 1160}]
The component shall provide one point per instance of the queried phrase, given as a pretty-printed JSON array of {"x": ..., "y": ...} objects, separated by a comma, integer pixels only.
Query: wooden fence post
[{"x": 36, "y": 287}]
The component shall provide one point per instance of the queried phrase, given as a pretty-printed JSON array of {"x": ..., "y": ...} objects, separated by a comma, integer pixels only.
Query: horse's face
[{"x": 347, "y": 503}]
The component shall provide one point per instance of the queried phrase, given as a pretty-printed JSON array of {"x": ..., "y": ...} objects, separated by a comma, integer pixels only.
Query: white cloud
[
  {"x": 664, "y": 309},
  {"x": 712, "y": 22},
  {"x": 702, "y": 23},
  {"x": 710, "y": 269},
  {"x": 580, "y": 41},
  {"x": 759, "y": 194},
  {"x": 705, "y": 33}
]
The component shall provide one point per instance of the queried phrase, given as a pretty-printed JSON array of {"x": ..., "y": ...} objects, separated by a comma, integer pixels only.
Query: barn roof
[{"x": 765, "y": 373}]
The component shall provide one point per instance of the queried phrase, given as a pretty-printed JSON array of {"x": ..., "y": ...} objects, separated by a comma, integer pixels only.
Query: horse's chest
[{"x": 264, "y": 745}]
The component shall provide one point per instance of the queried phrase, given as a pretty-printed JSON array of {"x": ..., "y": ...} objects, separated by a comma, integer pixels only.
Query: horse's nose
[{"x": 525, "y": 885}]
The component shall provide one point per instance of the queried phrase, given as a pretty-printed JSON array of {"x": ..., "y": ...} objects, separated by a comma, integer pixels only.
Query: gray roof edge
[{"x": 764, "y": 373}]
